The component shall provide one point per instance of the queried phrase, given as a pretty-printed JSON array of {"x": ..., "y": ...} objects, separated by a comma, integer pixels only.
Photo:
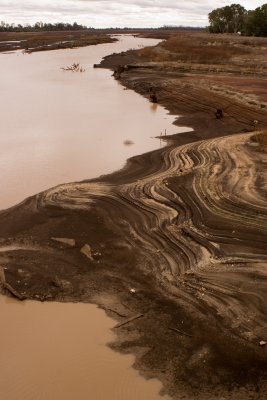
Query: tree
[
  {"x": 217, "y": 21},
  {"x": 237, "y": 17},
  {"x": 40, "y": 26},
  {"x": 255, "y": 23},
  {"x": 229, "y": 19}
]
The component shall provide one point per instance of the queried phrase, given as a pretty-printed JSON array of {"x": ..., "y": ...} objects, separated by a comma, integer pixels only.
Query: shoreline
[
  {"x": 30, "y": 42},
  {"x": 184, "y": 227}
]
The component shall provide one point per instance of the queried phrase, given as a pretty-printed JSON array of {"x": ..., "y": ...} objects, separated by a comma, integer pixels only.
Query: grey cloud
[{"x": 114, "y": 13}]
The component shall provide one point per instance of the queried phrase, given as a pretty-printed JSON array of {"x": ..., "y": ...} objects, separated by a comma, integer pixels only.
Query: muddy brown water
[
  {"x": 58, "y": 351},
  {"x": 57, "y": 127},
  {"x": 61, "y": 126}
]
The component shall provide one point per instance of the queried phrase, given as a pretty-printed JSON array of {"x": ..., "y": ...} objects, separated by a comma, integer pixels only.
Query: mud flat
[
  {"x": 31, "y": 42},
  {"x": 173, "y": 246}
]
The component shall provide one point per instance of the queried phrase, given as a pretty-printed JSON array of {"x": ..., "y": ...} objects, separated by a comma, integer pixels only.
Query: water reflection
[
  {"x": 154, "y": 107},
  {"x": 58, "y": 126}
]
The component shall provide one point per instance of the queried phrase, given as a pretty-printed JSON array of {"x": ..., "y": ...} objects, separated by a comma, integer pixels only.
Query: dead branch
[
  {"x": 75, "y": 67},
  {"x": 128, "y": 320}
]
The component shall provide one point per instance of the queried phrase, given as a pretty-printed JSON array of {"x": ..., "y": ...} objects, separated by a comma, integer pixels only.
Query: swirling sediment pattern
[{"x": 200, "y": 224}]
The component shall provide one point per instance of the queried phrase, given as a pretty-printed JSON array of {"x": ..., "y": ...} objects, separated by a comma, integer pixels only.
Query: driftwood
[
  {"x": 180, "y": 332},
  {"x": 75, "y": 67},
  {"x": 8, "y": 287},
  {"x": 128, "y": 320}
]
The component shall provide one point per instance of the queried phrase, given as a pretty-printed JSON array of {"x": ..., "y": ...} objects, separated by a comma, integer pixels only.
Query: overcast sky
[{"x": 118, "y": 13}]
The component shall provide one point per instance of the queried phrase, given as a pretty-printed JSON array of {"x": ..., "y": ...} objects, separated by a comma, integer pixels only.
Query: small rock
[
  {"x": 132, "y": 290},
  {"x": 86, "y": 250},
  {"x": 263, "y": 343}
]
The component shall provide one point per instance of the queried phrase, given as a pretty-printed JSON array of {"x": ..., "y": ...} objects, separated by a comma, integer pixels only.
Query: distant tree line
[
  {"x": 61, "y": 26},
  {"x": 180, "y": 28},
  {"x": 41, "y": 26},
  {"x": 235, "y": 18}
]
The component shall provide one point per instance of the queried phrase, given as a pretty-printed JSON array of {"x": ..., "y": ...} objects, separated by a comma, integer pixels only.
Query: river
[{"x": 59, "y": 126}]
